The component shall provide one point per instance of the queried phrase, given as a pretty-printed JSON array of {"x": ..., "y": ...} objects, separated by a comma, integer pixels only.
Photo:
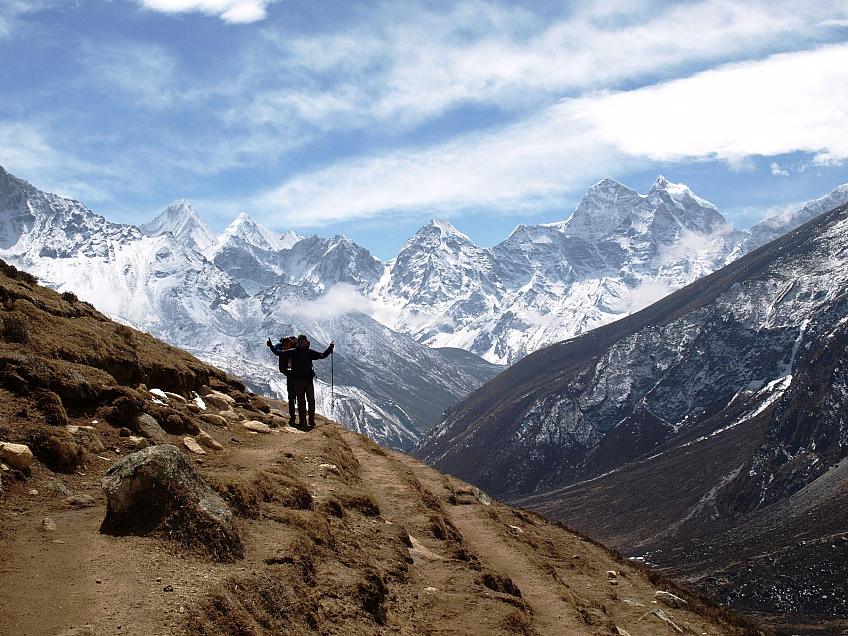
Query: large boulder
[{"x": 156, "y": 491}]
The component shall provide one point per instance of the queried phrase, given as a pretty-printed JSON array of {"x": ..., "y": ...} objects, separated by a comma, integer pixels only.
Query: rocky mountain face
[
  {"x": 156, "y": 282},
  {"x": 141, "y": 487},
  {"x": 716, "y": 413},
  {"x": 617, "y": 253},
  {"x": 183, "y": 222}
]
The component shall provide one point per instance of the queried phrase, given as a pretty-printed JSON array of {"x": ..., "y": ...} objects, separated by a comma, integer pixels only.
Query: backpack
[{"x": 286, "y": 343}]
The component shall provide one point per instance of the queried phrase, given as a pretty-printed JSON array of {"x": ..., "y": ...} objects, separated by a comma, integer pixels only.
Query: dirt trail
[{"x": 385, "y": 545}]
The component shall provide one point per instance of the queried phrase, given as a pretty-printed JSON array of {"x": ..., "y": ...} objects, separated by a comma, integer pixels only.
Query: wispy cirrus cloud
[
  {"x": 728, "y": 113},
  {"x": 422, "y": 106},
  {"x": 406, "y": 65}
]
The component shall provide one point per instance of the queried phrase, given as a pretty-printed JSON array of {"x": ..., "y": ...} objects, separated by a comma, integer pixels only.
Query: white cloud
[
  {"x": 232, "y": 11},
  {"x": 647, "y": 294},
  {"x": 777, "y": 171},
  {"x": 145, "y": 74},
  {"x": 407, "y": 63},
  {"x": 339, "y": 300},
  {"x": 786, "y": 103},
  {"x": 523, "y": 166}
]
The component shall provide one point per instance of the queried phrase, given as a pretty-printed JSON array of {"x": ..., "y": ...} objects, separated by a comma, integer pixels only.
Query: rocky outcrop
[{"x": 156, "y": 491}]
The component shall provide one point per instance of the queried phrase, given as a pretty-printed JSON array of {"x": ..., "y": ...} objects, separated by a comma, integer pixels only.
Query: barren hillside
[{"x": 337, "y": 534}]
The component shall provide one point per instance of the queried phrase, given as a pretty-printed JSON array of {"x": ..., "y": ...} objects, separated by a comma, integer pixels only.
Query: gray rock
[
  {"x": 191, "y": 444},
  {"x": 18, "y": 456},
  {"x": 219, "y": 400},
  {"x": 156, "y": 491},
  {"x": 481, "y": 496},
  {"x": 48, "y": 525},
  {"x": 208, "y": 441},
  {"x": 212, "y": 418},
  {"x": 58, "y": 486},
  {"x": 81, "y": 501},
  {"x": 230, "y": 415},
  {"x": 176, "y": 397},
  {"x": 256, "y": 427},
  {"x": 147, "y": 426},
  {"x": 87, "y": 437}
]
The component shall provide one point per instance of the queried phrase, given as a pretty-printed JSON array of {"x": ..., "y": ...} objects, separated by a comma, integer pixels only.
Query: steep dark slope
[{"x": 713, "y": 413}]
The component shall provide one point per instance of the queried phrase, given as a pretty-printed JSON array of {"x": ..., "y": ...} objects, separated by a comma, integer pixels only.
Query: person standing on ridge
[
  {"x": 287, "y": 343},
  {"x": 302, "y": 373}
]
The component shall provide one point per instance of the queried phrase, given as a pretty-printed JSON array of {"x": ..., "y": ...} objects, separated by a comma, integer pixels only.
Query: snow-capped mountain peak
[
  {"x": 678, "y": 192},
  {"x": 253, "y": 233},
  {"x": 184, "y": 223},
  {"x": 288, "y": 239},
  {"x": 602, "y": 209}
]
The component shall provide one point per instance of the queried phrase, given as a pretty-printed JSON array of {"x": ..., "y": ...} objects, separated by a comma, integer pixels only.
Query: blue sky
[{"x": 370, "y": 118}]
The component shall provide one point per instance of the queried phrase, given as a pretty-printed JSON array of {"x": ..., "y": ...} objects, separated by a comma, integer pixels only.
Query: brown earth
[{"x": 341, "y": 536}]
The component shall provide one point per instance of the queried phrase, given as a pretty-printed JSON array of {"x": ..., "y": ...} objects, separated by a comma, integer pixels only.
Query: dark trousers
[
  {"x": 292, "y": 399},
  {"x": 305, "y": 391}
]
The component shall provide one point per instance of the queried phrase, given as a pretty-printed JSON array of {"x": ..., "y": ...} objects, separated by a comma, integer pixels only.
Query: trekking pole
[{"x": 332, "y": 385}]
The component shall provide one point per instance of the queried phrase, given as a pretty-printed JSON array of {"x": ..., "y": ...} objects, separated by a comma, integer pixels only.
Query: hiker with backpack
[
  {"x": 286, "y": 343},
  {"x": 302, "y": 374}
]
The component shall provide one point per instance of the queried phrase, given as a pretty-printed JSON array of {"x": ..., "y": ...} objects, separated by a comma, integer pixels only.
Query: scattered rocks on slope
[{"x": 156, "y": 491}]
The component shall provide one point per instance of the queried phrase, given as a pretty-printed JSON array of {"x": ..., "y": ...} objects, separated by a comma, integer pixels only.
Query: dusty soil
[{"x": 440, "y": 561}]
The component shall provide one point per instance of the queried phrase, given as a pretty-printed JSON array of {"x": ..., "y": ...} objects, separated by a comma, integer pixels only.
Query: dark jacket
[{"x": 301, "y": 358}]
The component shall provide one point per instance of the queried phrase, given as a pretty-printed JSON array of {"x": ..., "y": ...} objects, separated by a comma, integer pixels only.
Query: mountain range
[
  {"x": 379, "y": 382},
  {"x": 707, "y": 433},
  {"x": 221, "y": 296}
]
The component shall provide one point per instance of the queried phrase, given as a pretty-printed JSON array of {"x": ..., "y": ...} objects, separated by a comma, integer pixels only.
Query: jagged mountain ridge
[
  {"x": 160, "y": 285},
  {"x": 618, "y": 252},
  {"x": 725, "y": 401}
]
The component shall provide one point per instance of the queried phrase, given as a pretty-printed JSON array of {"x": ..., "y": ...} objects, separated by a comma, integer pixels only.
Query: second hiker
[
  {"x": 302, "y": 374},
  {"x": 287, "y": 343}
]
